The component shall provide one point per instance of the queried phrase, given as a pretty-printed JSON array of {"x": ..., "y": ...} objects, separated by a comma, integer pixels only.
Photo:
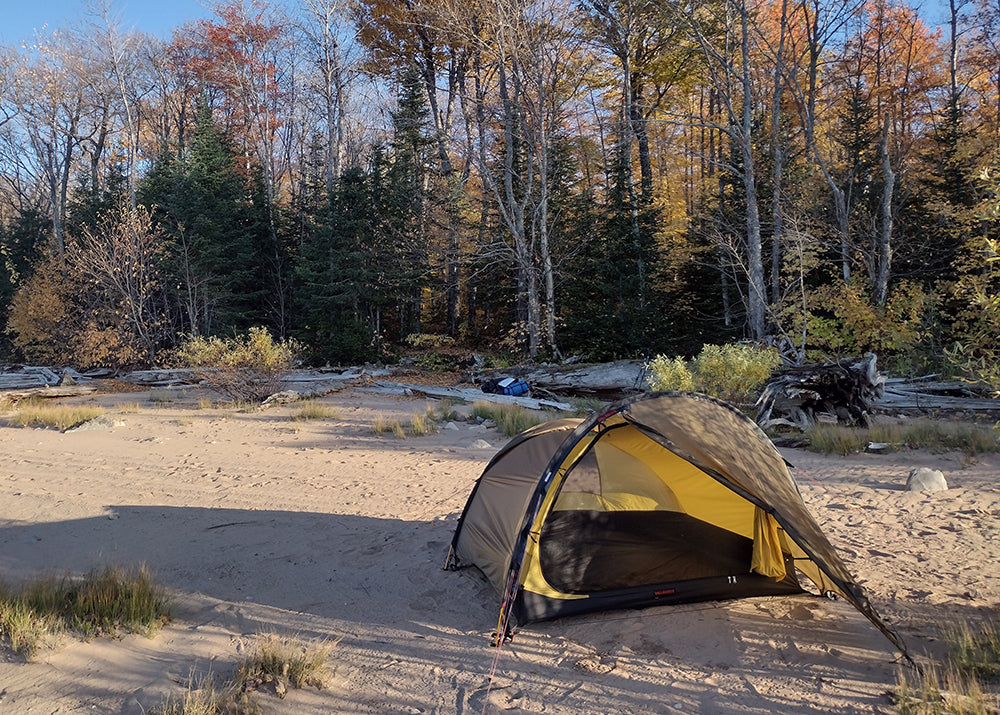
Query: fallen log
[
  {"x": 845, "y": 391},
  {"x": 464, "y": 394},
  {"x": 47, "y": 392},
  {"x": 607, "y": 380}
]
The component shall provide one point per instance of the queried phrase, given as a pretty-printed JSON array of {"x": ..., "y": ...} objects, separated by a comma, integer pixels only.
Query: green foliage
[
  {"x": 976, "y": 353},
  {"x": 842, "y": 321},
  {"x": 244, "y": 368},
  {"x": 104, "y": 602},
  {"x": 730, "y": 372}
]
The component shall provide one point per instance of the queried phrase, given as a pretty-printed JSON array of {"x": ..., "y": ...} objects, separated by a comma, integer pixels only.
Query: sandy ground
[{"x": 324, "y": 530}]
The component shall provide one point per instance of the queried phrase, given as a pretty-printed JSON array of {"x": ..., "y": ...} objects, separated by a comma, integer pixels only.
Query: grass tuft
[
  {"x": 283, "y": 662},
  {"x": 104, "y": 602},
  {"x": 313, "y": 410},
  {"x": 932, "y": 435},
  {"x": 421, "y": 425},
  {"x": 510, "y": 419},
  {"x": 956, "y": 688},
  {"x": 128, "y": 408},
  {"x": 60, "y": 417},
  {"x": 208, "y": 697}
]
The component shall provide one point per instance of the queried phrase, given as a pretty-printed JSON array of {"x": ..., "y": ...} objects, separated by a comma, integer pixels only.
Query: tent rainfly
[{"x": 663, "y": 498}]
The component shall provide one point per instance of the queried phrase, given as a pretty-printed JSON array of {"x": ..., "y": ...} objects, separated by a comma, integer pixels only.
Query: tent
[{"x": 662, "y": 498}]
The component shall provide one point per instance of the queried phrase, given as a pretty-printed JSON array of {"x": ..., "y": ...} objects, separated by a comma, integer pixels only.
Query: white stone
[{"x": 924, "y": 479}]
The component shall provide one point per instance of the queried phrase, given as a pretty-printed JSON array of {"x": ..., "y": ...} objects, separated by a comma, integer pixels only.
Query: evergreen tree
[
  {"x": 334, "y": 276},
  {"x": 21, "y": 244},
  {"x": 201, "y": 202}
]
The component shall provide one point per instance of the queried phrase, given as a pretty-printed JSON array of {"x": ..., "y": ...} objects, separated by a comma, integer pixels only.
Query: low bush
[
  {"x": 243, "y": 368},
  {"x": 734, "y": 373}
]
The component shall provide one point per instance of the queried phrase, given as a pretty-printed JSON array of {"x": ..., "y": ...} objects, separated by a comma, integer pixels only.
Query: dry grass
[
  {"x": 957, "y": 687},
  {"x": 932, "y": 435},
  {"x": 510, "y": 419},
  {"x": 104, "y": 602},
  {"x": 60, "y": 417},
  {"x": 128, "y": 408},
  {"x": 313, "y": 410},
  {"x": 206, "y": 696},
  {"x": 273, "y": 662},
  {"x": 282, "y": 662}
]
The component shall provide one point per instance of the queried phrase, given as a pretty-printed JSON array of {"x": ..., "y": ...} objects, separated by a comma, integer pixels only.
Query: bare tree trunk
[
  {"x": 756, "y": 291},
  {"x": 883, "y": 251}
]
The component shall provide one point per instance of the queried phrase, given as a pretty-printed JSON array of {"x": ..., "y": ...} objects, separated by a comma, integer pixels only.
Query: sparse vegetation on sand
[
  {"x": 314, "y": 410},
  {"x": 273, "y": 662},
  {"x": 105, "y": 602},
  {"x": 933, "y": 435},
  {"x": 510, "y": 419},
  {"x": 38, "y": 413},
  {"x": 956, "y": 687}
]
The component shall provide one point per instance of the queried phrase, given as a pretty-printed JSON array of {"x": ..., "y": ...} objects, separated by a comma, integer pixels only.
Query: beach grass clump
[
  {"x": 932, "y": 435},
  {"x": 272, "y": 661},
  {"x": 207, "y": 696},
  {"x": 283, "y": 662},
  {"x": 106, "y": 602},
  {"x": 60, "y": 417},
  {"x": 976, "y": 651},
  {"x": 510, "y": 419},
  {"x": 956, "y": 687},
  {"x": 422, "y": 424},
  {"x": 128, "y": 408},
  {"x": 314, "y": 410}
]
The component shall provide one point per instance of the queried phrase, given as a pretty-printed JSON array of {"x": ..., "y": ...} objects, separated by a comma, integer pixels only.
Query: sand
[{"x": 325, "y": 531}]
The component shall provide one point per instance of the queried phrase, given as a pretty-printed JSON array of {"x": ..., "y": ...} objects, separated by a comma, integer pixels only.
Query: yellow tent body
[{"x": 659, "y": 499}]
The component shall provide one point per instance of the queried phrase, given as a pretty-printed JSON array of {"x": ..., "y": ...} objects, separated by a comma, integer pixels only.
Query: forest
[{"x": 539, "y": 179}]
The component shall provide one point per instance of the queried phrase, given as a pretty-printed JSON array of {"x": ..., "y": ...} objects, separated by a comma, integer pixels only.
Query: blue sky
[{"x": 20, "y": 18}]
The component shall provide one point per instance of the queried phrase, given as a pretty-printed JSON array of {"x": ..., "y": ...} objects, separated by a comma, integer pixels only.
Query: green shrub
[
  {"x": 243, "y": 368},
  {"x": 667, "y": 374},
  {"x": 730, "y": 372}
]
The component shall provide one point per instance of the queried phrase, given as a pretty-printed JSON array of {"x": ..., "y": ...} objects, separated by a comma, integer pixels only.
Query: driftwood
[
  {"x": 926, "y": 394},
  {"x": 15, "y": 396},
  {"x": 607, "y": 380},
  {"x": 845, "y": 391},
  {"x": 465, "y": 394}
]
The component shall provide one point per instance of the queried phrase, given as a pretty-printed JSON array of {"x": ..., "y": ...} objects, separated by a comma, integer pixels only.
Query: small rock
[
  {"x": 451, "y": 426},
  {"x": 281, "y": 398},
  {"x": 480, "y": 444},
  {"x": 924, "y": 479}
]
